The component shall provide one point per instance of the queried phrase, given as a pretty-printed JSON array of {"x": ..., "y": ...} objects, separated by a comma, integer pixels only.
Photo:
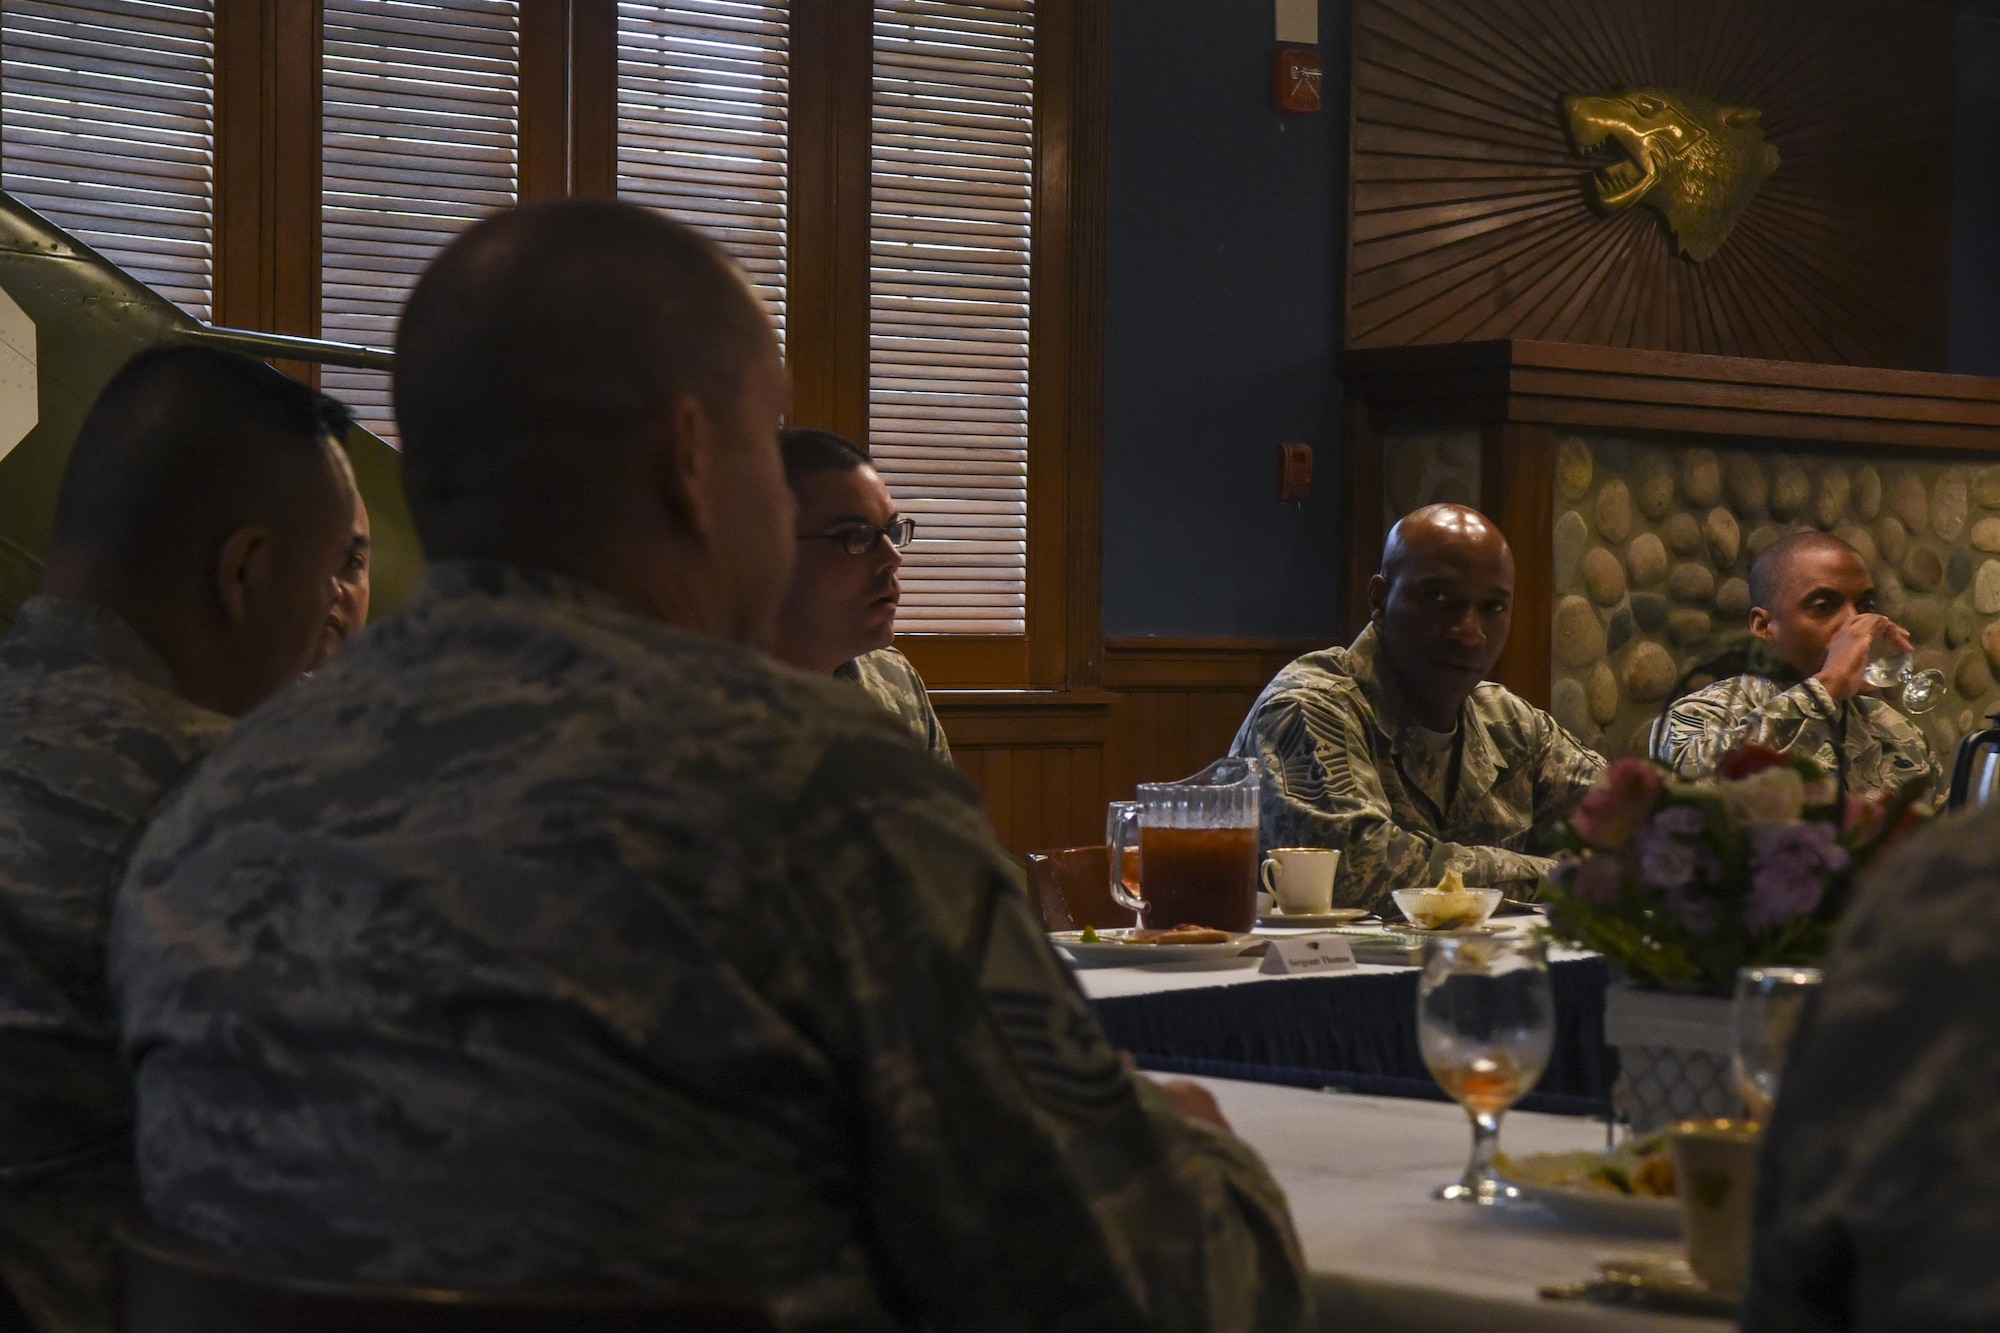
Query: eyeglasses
[{"x": 861, "y": 538}]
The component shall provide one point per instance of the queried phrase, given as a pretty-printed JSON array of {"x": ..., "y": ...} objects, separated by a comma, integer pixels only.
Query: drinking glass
[
  {"x": 1922, "y": 690},
  {"x": 1763, "y": 1018},
  {"x": 1485, "y": 1020}
]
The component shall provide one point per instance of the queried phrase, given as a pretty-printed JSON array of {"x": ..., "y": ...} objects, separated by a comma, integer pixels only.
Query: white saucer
[{"x": 1339, "y": 916}]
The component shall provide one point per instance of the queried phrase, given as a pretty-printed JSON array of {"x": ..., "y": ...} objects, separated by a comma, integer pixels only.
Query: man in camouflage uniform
[
  {"x": 840, "y": 616},
  {"x": 552, "y": 935},
  {"x": 1882, "y": 1160},
  {"x": 1397, "y": 752},
  {"x": 1814, "y": 604},
  {"x": 199, "y": 525}
]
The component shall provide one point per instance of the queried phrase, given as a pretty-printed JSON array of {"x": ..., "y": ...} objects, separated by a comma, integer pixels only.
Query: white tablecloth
[{"x": 1359, "y": 1171}]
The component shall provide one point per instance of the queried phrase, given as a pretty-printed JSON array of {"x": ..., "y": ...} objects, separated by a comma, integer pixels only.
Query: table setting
[{"x": 1711, "y": 899}]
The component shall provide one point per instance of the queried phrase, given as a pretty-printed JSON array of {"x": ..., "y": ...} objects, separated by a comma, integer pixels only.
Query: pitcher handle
[{"x": 1123, "y": 834}]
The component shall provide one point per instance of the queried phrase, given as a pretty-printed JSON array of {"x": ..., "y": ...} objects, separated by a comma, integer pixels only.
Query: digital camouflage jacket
[
  {"x": 1884, "y": 749},
  {"x": 94, "y": 732},
  {"x": 1333, "y": 737},
  {"x": 535, "y": 942},
  {"x": 891, "y": 681}
]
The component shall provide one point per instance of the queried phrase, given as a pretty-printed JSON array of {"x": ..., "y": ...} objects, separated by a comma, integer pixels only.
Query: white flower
[{"x": 1774, "y": 796}]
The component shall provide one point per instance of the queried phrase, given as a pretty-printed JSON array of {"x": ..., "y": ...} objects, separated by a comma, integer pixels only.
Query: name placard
[{"x": 1307, "y": 953}]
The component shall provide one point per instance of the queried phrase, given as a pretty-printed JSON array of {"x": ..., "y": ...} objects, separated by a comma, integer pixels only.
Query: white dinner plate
[
  {"x": 1116, "y": 946},
  {"x": 1606, "y": 1210},
  {"x": 1339, "y": 916}
]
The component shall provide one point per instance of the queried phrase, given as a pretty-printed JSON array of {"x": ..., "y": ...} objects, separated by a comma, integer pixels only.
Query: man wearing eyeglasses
[{"x": 840, "y": 615}]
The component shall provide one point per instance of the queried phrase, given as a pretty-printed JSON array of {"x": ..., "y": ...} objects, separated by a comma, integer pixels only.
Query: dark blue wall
[
  {"x": 1975, "y": 213},
  {"x": 1219, "y": 328}
]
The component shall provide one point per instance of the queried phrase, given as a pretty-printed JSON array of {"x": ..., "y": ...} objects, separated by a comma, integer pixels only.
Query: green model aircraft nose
[{"x": 69, "y": 318}]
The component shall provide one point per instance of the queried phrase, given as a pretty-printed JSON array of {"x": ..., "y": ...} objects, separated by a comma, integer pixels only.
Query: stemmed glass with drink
[
  {"x": 1485, "y": 1022},
  {"x": 1770, "y": 1002},
  {"x": 1890, "y": 667}
]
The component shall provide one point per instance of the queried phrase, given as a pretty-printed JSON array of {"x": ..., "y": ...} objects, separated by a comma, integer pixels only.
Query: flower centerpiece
[{"x": 1679, "y": 884}]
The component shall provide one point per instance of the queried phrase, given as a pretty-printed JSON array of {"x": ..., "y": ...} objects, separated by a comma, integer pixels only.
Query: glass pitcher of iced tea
[{"x": 1197, "y": 843}]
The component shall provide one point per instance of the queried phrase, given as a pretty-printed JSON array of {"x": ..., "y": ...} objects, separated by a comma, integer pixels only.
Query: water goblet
[
  {"x": 1485, "y": 1022},
  {"x": 1763, "y": 1018},
  {"x": 1922, "y": 690}
]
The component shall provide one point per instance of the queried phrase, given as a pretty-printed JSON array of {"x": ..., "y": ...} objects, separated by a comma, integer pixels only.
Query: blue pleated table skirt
[{"x": 1357, "y": 1033}]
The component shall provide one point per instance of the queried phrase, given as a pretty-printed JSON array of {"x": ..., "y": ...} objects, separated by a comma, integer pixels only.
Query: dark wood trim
[
  {"x": 1363, "y": 457},
  {"x": 1088, "y": 155},
  {"x": 1024, "y": 719},
  {"x": 593, "y": 87},
  {"x": 1150, "y": 663},
  {"x": 968, "y": 661},
  {"x": 267, "y": 186},
  {"x": 826, "y": 265},
  {"x": 1517, "y": 491},
  {"x": 1560, "y": 384},
  {"x": 1065, "y": 349},
  {"x": 545, "y": 100}
]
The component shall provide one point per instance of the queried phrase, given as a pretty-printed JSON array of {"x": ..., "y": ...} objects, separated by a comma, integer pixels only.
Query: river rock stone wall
[{"x": 1653, "y": 542}]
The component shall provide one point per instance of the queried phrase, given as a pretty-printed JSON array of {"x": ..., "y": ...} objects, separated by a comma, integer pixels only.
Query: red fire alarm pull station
[
  {"x": 1295, "y": 472},
  {"x": 1295, "y": 80}
]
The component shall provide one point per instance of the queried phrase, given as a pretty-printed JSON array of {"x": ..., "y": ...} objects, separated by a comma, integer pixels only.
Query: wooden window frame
[{"x": 268, "y": 170}]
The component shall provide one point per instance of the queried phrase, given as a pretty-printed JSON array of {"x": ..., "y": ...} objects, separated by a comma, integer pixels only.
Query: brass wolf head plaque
[{"x": 1693, "y": 159}]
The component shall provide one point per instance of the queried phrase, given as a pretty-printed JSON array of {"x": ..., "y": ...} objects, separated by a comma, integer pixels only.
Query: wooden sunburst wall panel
[{"x": 1472, "y": 216}]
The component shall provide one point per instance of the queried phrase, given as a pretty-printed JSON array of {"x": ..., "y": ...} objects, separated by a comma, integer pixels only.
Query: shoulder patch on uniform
[{"x": 1045, "y": 1021}]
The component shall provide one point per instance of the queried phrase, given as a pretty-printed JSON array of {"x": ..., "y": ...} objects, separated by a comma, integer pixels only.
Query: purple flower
[
  {"x": 1668, "y": 852},
  {"x": 1789, "y": 864}
]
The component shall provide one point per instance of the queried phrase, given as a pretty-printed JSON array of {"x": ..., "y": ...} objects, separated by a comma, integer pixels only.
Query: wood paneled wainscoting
[{"x": 1048, "y": 761}]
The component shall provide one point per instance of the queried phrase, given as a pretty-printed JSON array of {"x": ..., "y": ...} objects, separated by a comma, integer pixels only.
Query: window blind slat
[
  {"x": 703, "y": 105},
  {"x": 107, "y": 125},
  {"x": 419, "y": 139},
  {"x": 951, "y": 200}
]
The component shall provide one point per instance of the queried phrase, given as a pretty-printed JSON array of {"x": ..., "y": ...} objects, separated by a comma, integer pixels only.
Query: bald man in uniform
[
  {"x": 554, "y": 935},
  {"x": 1397, "y": 752},
  {"x": 1813, "y": 602}
]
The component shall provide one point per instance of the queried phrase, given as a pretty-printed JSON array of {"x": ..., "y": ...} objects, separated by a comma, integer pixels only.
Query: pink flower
[
  {"x": 1622, "y": 797},
  {"x": 1747, "y": 761}
]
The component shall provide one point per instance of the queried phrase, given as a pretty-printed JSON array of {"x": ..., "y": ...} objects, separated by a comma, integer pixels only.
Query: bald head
[
  {"x": 1443, "y": 528},
  {"x": 537, "y": 351},
  {"x": 1442, "y": 607},
  {"x": 592, "y": 387}
]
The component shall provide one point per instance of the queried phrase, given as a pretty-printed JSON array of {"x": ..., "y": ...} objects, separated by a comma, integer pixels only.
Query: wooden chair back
[{"x": 1072, "y": 887}]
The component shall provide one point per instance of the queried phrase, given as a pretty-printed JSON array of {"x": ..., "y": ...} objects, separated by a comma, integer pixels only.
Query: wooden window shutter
[
  {"x": 951, "y": 194},
  {"x": 703, "y": 101},
  {"x": 107, "y": 127},
  {"x": 420, "y": 138}
]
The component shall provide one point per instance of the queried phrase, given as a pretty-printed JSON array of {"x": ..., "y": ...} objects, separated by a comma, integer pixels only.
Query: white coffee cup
[{"x": 1301, "y": 878}]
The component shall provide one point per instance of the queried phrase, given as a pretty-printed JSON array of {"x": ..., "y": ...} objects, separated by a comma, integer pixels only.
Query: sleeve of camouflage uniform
[
  {"x": 1569, "y": 769},
  {"x": 1797, "y": 716},
  {"x": 1018, "y": 1176},
  {"x": 1875, "y": 1185},
  {"x": 934, "y": 737},
  {"x": 1321, "y": 790}
]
